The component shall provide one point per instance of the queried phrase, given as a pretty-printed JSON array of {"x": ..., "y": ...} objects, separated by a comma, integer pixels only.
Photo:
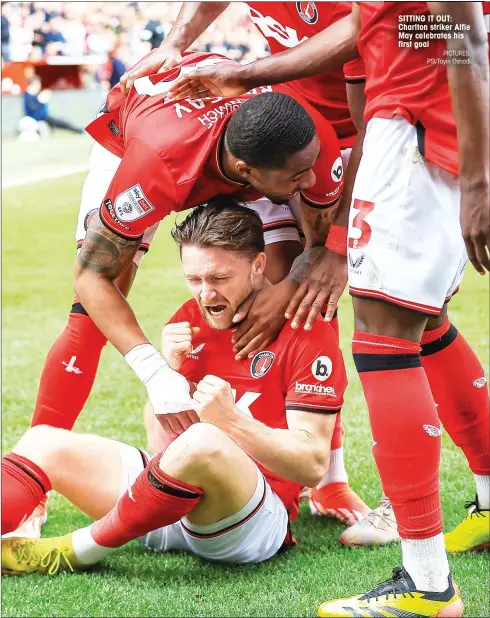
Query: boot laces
[
  {"x": 28, "y": 553},
  {"x": 392, "y": 586}
]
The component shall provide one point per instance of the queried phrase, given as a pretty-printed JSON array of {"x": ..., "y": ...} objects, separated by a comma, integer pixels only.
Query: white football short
[
  {"x": 280, "y": 222},
  {"x": 405, "y": 245},
  {"x": 254, "y": 534}
]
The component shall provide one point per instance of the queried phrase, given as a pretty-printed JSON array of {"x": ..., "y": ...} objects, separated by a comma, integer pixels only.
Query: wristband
[
  {"x": 337, "y": 239},
  {"x": 145, "y": 361}
]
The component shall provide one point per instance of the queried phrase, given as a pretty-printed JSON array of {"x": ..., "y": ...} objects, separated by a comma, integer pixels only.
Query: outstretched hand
[
  {"x": 324, "y": 283},
  {"x": 261, "y": 318},
  {"x": 160, "y": 59},
  {"x": 219, "y": 80}
]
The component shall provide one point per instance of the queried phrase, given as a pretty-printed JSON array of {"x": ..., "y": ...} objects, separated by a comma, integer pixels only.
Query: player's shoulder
[{"x": 320, "y": 335}]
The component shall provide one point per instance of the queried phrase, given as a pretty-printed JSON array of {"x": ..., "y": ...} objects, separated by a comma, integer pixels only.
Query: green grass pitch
[{"x": 38, "y": 253}]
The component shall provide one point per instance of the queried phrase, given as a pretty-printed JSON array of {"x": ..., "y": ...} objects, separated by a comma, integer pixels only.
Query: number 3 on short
[{"x": 360, "y": 224}]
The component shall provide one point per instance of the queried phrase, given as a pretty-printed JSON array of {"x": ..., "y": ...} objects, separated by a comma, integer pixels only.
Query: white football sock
[
  {"x": 336, "y": 472},
  {"x": 86, "y": 549},
  {"x": 483, "y": 490},
  {"x": 426, "y": 562}
]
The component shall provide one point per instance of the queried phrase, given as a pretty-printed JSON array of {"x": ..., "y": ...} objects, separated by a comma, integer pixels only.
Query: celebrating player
[
  {"x": 227, "y": 487},
  {"x": 338, "y": 95},
  {"x": 421, "y": 189},
  {"x": 152, "y": 157}
]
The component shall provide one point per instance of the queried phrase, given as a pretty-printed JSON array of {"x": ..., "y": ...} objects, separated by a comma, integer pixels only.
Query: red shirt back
[
  {"x": 285, "y": 25},
  {"x": 171, "y": 151},
  {"x": 409, "y": 82},
  {"x": 301, "y": 370}
]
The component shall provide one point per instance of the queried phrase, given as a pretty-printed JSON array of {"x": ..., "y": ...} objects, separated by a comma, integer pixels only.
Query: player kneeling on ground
[{"x": 225, "y": 489}]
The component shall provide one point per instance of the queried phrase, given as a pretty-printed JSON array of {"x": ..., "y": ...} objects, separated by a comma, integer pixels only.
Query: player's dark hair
[
  {"x": 222, "y": 222},
  {"x": 267, "y": 130}
]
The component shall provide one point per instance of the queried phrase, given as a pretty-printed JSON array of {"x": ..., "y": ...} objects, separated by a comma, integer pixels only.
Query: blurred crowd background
[
  {"x": 60, "y": 58},
  {"x": 108, "y": 37}
]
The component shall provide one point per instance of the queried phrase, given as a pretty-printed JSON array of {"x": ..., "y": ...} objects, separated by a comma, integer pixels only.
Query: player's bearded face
[
  {"x": 219, "y": 281},
  {"x": 282, "y": 185}
]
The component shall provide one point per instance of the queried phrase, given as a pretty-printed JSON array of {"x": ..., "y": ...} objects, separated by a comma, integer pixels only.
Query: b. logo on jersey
[
  {"x": 337, "y": 170},
  {"x": 261, "y": 363},
  {"x": 321, "y": 368},
  {"x": 132, "y": 204},
  {"x": 308, "y": 12}
]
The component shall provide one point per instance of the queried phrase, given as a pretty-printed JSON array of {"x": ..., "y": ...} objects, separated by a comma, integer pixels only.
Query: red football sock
[
  {"x": 338, "y": 434},
  {"x": 155, "y": 500},
  {"x": 69, "y": 373},
  {"x": 458, "y": 384},
  {"x": 24, "y": 485},
  {"x": 405, "y": 426}
]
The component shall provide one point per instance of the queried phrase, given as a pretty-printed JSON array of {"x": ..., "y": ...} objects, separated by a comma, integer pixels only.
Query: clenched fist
[
  {"x": 214, "y": 403},
  {"x": 177, "y": 342}
]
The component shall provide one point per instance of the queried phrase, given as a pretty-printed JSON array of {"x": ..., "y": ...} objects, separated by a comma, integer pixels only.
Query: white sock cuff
[
  {"x": 482, "y": 482},
  {"x": 86, "y": 549}
]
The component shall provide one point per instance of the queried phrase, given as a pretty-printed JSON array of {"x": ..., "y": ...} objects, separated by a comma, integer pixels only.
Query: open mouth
[{"x": 216, "y": 310}]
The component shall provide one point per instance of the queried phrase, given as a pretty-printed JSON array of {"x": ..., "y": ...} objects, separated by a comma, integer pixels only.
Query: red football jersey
[
  {"x": 171, "y": 151},
  {"x": 409, "y": 82},
  {"x": 285, "y": 25},
  {"x": 301, "y": 370}
]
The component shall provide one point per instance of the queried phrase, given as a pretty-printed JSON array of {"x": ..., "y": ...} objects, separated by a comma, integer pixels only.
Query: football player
[{"x": 256, "y": 431}]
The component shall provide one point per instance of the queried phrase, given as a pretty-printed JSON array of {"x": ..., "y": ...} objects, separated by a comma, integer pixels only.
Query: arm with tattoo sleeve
[{"x": 103, "y": 257}]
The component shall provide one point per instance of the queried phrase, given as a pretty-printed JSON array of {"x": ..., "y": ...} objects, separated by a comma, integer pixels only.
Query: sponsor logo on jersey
[
  {"x": 432, "y": 431},
  {"x": 245, "y": 401},
  {"x": 315, "y": 389},
  {"x": 355, "y": 264},
  {"x": 110, "y": 208},
  {"x": 261, "y": 363},
  {"x": 89, "y": 216},
  {"x": 132, "y": 204},
  {"x": 337, "y": 170},
  {"x": 321, "y": 368},
  {"x": 114, "y": 128},
  {"x": 480, "y": 383},
  {"x": 195, "y": 352},
  {"x": 308, "y": 12}
]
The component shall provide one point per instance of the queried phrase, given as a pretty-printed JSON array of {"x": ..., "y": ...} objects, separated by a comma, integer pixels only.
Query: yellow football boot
[
  {"x": 473, "y": 533},
  {"x": 21, "y": 556},
  {"x": 397, "y": 597}
]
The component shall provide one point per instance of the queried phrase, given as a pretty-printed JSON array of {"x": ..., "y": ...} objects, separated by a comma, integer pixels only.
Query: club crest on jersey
[
  {"x": 308, "y": 12},
  {"x": 132, "y": 204},
  {"x": 261, "y": 363}
]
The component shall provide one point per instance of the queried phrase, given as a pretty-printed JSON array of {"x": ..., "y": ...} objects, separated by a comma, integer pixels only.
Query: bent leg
[{"x": 85, "y": 469}]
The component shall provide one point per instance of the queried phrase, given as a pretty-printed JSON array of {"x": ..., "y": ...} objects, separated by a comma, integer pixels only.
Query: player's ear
[
  {"x": 244, "y": 169},
  {"x": 258, "y": 267}
]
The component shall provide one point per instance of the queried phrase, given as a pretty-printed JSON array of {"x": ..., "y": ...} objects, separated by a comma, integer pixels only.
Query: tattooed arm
[
  {"x": 104, "y": 256},
  {"x": 316, "y": 223}
]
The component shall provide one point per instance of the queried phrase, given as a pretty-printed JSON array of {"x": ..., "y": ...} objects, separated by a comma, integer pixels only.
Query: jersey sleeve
[
  {"x": 328, "y": 167},
  {"x": 141, "y": 193},
  {"x": 354, "y": 71},
  {"x": 317, "y": 379}
]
